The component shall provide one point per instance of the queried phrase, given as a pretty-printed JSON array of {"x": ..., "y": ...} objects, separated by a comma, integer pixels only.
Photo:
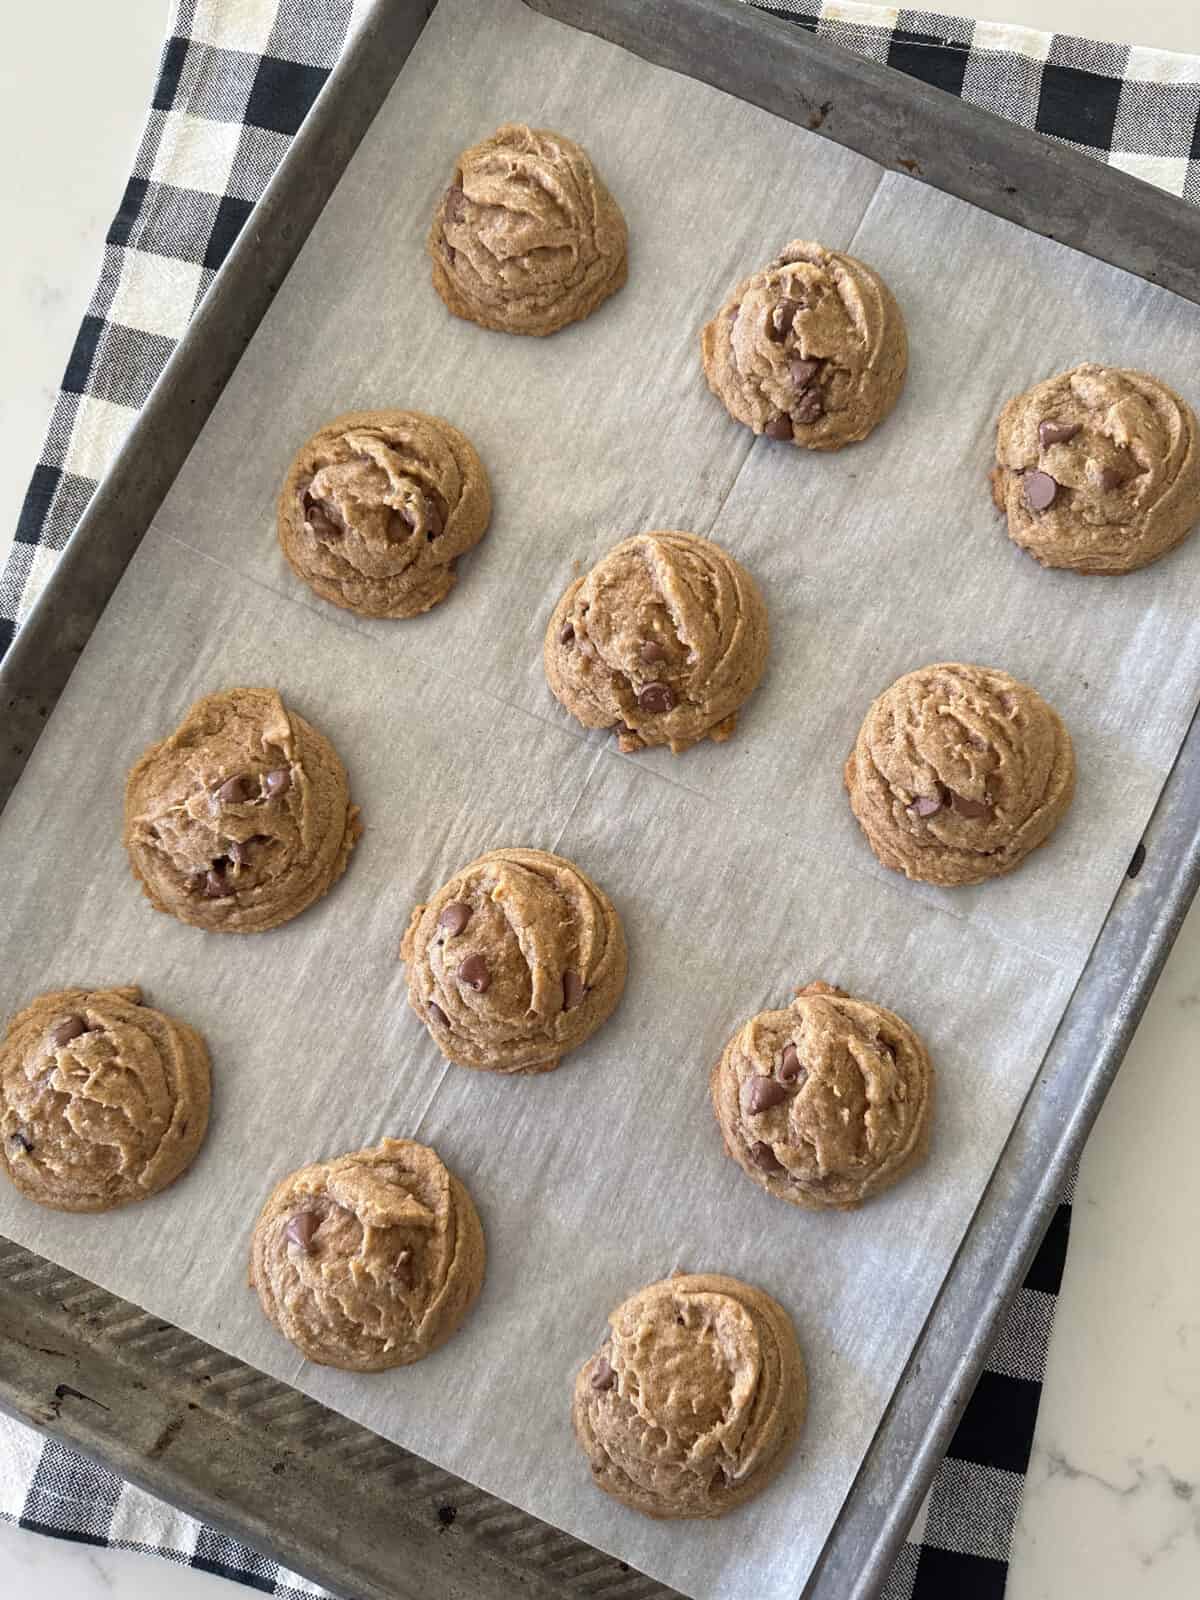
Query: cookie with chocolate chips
[
  {"x": 958, "y": 773},
  {"x": 1098, "y": 469},
  {"x": 812, "y": 350},
  {"x": 370, "y": 1260},
  {"x": 694, "y": 1399},
  {"x": 663, "y": 640},
  {"x": 515, "y": 961},
  {"x": 241, "y": 818},
  {"x": 526, "y": 238},
  {"x": 826, "y": 1103},
  {"x": 103, "y": 1100},
  {"x": 378, "y": 506}
]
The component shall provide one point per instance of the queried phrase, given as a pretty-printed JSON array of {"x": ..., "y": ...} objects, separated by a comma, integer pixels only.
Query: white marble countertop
[{"x": 1112, "y": 1502}]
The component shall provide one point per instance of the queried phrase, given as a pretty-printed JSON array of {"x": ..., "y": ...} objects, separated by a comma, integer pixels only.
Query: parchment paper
[{"x": 738, "y": 870}]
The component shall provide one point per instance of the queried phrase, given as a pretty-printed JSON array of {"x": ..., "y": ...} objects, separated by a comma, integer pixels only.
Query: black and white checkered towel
[{"x": 236, "y": 81}]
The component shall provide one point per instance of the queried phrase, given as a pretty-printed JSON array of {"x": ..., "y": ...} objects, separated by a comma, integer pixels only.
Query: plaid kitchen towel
[{"x": 236, "y": 80}]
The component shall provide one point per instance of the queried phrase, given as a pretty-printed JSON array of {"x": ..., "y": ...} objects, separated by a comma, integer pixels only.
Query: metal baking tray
[{"x": 322, "y": 1494}]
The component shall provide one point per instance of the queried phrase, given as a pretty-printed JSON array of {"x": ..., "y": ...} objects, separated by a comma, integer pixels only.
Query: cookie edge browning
[
  {"x": 890, "y": 392},
  {"x": 1064, "y": 756},
  {"x": 1006, "y": 482},
  {"x": 793, "y": 1389},
  {"x": 604, "y": 1007},
  {"x": 466, "y": 311},
  {"x": 723, "y": 726},
  {"x": 470, "y": 1243},
  {"x": 189, "y": 1144},
  {"x": 789, "y": 1189},
  {"x": 352, "y": 834},
  {"x": 474, "y": 513}
]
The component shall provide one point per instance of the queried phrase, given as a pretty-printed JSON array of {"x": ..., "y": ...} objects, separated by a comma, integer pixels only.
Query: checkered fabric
[{"x": 236, "y": 80}]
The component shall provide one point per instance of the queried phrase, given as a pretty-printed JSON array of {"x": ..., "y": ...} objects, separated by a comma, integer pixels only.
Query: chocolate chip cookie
[
  {"x": 103, "y": 1100},
  {"x": 378, "y": 506},
  {"x": 663, "y": 640},
  {"x": 241, "y": 818},
  {"x": 958, "y": 773},
  {"x": 811, "y": 350},
  {"x": 515, "y": 961},
  {"x": 694, "y": 1398},
  {"x": 370, "y": 1260},
  {"x": 1098, "y": 469},
  {"x": 826, "y": 1103},
  {"x": 527, "y": 238}
]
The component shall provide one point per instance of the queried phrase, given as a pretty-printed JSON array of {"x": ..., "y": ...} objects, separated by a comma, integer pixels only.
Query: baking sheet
[{"x": 738, "y": 870}]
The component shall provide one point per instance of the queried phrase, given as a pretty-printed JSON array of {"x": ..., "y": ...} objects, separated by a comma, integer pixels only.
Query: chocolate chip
[
  {"x": 764, "y": 1158},
  {"x": 926, "y": 805},
  {"x": 603, "y": 1376},
  {"x": 277, "y": 782},
  {"x": 573, "y": 990},
  {"x": 760, "y": 1094},
  {"x": 1040, "y": 490},
  {"x": 324, "y": 519},
  {"x": 803, "y": 372},
  {"x": 455, "y": 203},
  {"x": 474, "y": 973},
  {"x": 234, "y": 791},
  {"x": 566, "y": 633},
  {"x": 454, "y": 917},
  {"x": 780, "y": 319},
  {"x": 791, "y": 1069},
  {"x": 1057, "y": 432},
  {"x": 402, "y": 1269},
  {"x": 215, "y": 887},
  {"x": 656, "y": 697},
  {"x": 398, "y": 526},
  {"x": 300, "y": 1229},
  {"x": 237, "y": 852},
  {"x": 962, "y": 805},
  {"x": 809, "y": 407},
  {"x": 438, "y": 1015},
  {"x": 1111, "y": 478},
  {"x": 20, "y": 1144},
  {"x": 67, "y": 1030},
  {"x": 779, "y": 427},
  {"x": 651, "y": 651}
]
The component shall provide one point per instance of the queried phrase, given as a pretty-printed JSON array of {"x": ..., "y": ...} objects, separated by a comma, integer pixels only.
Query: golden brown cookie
[
  {"x": 527, "y": 238},
  {"x": 370, "y": 1260},
  {"x": 103, "y": 1100},
  {"x": 378, "y": 506},
  {"x": 515, "y": 961},
  {"x": 663, "y": 640},
  {"x": 958, "y": 773},
  {"x": 1098, "y": 469},
  {"x": 241, "y": 818},
  {"x": 826, "y": 1103},
  {"x": 812, "y": 349},
  {"x": 694, "y": 1398}
]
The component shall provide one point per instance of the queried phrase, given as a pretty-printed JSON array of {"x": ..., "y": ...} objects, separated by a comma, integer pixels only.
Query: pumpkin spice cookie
[
  {"x": 663, "y": 640},
  {"x": 370, "y": 1260},
  {"x": 694, "y": 1399},
  {"x": 826, "y": 1103},
  {"x": 515, "y": 961},
  {"x": 241, "y": 818},
  {"x": 527, "y": 238},
  {"x": 958, "y": 773},
  {"x": 1098, "y": 470},
  {"x": 378, "y": 506},
  {"x": 103, "y": 1100},
  {"x": 812, "y": 349}
]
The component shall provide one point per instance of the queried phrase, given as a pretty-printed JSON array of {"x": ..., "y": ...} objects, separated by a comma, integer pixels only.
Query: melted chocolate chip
[
  {"x": 474, "y": 973},
  {"x": 398, "y": 526},
  {"x": 301, "y": 1228},
  {"x": 760, "y": 1094},
  {"x": 438, "y": 1015},
  {"x": 454, "y": 917},
  {"x": 573, "y": 990},
  {"x": 20, "y": 1144},
  {"x": 277, "y": 782},
  {"x": 324, "y": 519},
  {"x": 791, "y": 1069},
  {"x": 1056, "y": 433},
  {"x": 67, "y": 1030},
  {"x": 234, "y": 791},
  {"x": 215, "y": 887},
  {"x": 237, "y": 852},
  {"x": 926, "y": 805},
  {"x": 1040, "y": 490},
  {"x": 764, "y": 1158},
  {"x": 780, "y": 320},
  {"x": 779, "y": 427},
  {"x": 963, "y": 806},
  {"x": 803, "y": 372},
  {"x": 651, "y": 651},
  {"x": 566, "y": 633},
  {"x": 1111, "y": 478},
  {"x": 656, "y": 697},
  {"x": 603, "y": 1376},
  {"x": 809, "y": 407}
]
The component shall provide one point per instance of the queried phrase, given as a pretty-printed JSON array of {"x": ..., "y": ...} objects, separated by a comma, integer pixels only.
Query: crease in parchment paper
[{"x": 738, "y": 870}]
